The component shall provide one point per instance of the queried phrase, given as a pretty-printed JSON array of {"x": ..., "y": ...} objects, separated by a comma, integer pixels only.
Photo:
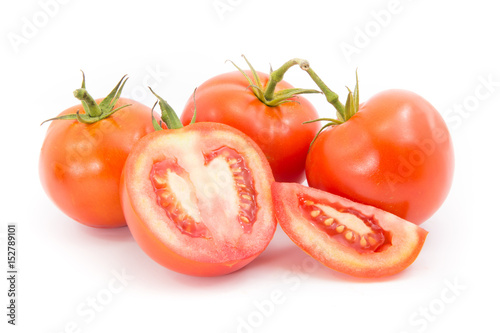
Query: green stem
[
  {"x": 331, "y": 97},
  {"x": 84, "y": 96},
  {"x": 277, "y": 75},
  {"x": 85, "y": 120},
  {"x": 333, "y": 121},
  {"x": 168, "y": 114}
]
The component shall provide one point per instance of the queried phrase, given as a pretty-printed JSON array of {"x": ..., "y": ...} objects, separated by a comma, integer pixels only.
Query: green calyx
[
  {"x": 168, "y": 115},
  {"x": 93, "y": 111},
  {"x": 344, "y": 112},
  {"x": 268, "y": 94}
]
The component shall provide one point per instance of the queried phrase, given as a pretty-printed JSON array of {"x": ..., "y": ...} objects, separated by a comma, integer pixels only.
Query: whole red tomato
[
  {"x": 273, "y": 122},
  {"x": 396, "y": 154},
  {"x": 81, "y": 160}
]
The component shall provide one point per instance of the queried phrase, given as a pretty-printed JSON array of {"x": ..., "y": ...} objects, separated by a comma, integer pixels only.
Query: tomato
[
  {"x": 395, "y": 153},
  {"x": 349, "y": 237},
  {"x": 81, "y": 163},
  {"x": 197, "y": 199},
  {"x": 278, "y": 130}
]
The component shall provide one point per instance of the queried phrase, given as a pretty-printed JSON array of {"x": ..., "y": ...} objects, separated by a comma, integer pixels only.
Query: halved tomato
[
  {"x": 198, "y": 199},
  {"x": 348, "y": 237}
]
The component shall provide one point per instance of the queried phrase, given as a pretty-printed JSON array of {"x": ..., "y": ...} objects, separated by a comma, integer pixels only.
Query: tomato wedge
[
  {"x": 198, "y": 200},
  {"x": 349, "y": 237}
]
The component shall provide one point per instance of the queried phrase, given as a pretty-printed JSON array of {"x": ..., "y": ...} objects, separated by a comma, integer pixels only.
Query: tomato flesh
[
  {"x": 349, "y": 237},
  {"x": 198, "y": 199}
]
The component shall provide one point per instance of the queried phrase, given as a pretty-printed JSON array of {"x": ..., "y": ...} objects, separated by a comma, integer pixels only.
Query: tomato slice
[
  {"x": 348, "y": 237},
  {"x": 198, "y": 199}
]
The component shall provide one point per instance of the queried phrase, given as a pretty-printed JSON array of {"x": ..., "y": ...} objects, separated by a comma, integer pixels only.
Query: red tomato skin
[
  {"x": 80, "y": 165},
  {"x": 396, "y": 154},
  {"x": 278, "y": 131}
]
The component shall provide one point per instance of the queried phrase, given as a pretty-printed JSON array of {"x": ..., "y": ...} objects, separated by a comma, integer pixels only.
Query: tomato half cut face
[
  {"x": 198, "y": 199},
  {"x": 348, "y": 237}
]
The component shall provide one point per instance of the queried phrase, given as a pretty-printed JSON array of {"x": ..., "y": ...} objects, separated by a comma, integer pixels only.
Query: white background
[{"x": 442, "y": 50}]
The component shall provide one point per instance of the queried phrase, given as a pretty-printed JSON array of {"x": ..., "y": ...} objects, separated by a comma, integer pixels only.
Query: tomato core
[{"x": 347, "y": 225}]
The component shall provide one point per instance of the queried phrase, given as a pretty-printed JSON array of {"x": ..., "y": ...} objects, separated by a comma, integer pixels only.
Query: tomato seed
[
  {"x": 361, "y": 241},
  {"x": 372, "y": 241},
  {"x": 315, "y": 213},
  {"x": 328, "y": 221}
]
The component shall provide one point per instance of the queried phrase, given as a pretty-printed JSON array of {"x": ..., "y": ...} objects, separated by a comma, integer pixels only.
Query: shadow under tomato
[
  {"x": 228, "y": 280},
  {"x": 121, "y": 234},
  {"x": 287, "y": 256},
  {"x": 155, "y": 275},
  {"x": 282, "y": 255}
]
